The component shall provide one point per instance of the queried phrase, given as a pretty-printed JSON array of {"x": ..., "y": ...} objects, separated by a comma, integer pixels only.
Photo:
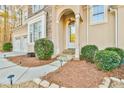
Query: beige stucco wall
[
  {"x": 102, "y": 35},
  {"x": 121, "y": 27}
]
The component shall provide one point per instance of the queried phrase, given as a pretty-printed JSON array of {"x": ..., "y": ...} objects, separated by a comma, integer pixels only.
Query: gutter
[
  {"x": 116, "y": 25},
  {"x": 87, "y": 23}
]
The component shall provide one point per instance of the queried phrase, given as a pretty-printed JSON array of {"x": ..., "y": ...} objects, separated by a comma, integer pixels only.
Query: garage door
[
  {"x": 20, "y": 44},
  {"x": 17, "y": 44},
  {"x": 24, "y": 47}
]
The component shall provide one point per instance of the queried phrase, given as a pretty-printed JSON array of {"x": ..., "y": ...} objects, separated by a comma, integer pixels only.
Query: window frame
[
  {"x": 35, "y": 10},
  {"x": 25, "y": 15},
  {"x": 105, "y": 20},
  {"x": 34, "y": 33},
  {"x": 39, "y": 17}
]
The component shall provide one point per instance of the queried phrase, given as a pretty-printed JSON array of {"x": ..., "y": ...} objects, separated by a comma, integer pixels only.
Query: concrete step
[{"x": 69, "y": 51}]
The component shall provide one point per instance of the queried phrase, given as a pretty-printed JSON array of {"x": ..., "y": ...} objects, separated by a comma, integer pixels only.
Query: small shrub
[
  {"x": 88, "y": 52},
  {"x": 107, "y": 60},
  {"x": 7, "y": 46},
  {"x": 119, "y": 51},
  {"x": 44, "y": 49}
]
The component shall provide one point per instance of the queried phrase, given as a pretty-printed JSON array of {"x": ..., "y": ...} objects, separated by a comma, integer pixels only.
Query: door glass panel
[{"x": 72, "y": 32}]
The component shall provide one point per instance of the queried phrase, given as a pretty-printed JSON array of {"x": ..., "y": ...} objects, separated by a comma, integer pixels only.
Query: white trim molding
[
  {"x": 105, "y": 20},
  {"x": 116, "y": 25},
  {"x": 39, "y": 17},
  {"x": 87, "y": 31}
]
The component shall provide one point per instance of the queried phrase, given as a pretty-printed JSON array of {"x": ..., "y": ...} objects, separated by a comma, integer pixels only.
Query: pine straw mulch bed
[
  {"x": 29, "y": 61},
  {"x": 81, "y": 74}
]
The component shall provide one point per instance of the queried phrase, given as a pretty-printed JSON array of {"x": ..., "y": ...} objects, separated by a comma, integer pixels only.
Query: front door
[{"x": 71, "y": 35}]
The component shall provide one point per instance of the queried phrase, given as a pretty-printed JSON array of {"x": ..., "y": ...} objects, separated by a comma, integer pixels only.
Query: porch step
[
  {"x": 65, "y": 57},
  {"x": 69, "y": 51}
]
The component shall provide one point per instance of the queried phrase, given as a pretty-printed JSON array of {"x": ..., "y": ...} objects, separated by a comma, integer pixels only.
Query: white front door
[{"x": 71, "y": 35}]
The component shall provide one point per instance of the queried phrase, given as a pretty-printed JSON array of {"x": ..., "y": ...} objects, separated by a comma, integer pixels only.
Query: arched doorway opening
[{"x": 67, "y": 30}]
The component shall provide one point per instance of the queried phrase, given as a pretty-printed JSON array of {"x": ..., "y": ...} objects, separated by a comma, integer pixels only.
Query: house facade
[{"x": 69, "y": 27}]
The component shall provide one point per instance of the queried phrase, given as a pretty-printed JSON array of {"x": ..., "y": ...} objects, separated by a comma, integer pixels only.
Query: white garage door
[
  {"x": 17, "y": 44},
  {"x": 20, "y": 44},
  {"x": 24, "y": 47}
]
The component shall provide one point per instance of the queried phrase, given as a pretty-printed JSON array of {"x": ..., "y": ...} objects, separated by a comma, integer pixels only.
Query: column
[
  {"x": 77, "y": 43},
  {"x": 57, "y": 38}
]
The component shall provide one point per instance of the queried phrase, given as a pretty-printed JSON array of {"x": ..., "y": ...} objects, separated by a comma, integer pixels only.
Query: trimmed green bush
[
  {"x": 119, "y": 51},
  {"x": 88, "y": 52},
  {"x": 7, "y": 46},
  {"x": 107, "y": 60},
  {"x": 44, "y": 49}
]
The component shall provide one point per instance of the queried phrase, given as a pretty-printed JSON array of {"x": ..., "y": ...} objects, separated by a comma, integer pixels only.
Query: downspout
[
  {"x": 87, "y": 23},
  {"x": 116, "y": 25}
]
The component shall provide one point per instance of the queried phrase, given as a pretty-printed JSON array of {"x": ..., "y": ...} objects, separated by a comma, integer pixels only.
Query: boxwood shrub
[
  {"x": 7, "y": 46},
  {"x": 44, "y": 49},
  {"x": 119, "y": 51},
  {"x": 88, "y": 52},
  {"x": 107, "y": 60}
]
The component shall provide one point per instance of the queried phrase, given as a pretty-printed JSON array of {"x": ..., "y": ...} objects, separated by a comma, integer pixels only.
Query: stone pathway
[
  {"x": 112, "y": 82},
  {"x": 46, "y": 84},
  {"x": 35, "y": 83},
  {"x": 24, "y": 74}
]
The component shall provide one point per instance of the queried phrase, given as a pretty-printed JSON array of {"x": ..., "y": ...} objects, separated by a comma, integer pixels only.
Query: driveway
[
  {"x": 10, "y": 54},
  {"x": 23, "y": 74}
]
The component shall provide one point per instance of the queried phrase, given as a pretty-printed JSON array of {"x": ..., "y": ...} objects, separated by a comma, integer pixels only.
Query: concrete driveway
[
  {"x": 10, "y": 54},
  {"x": 23, "y": 74}
]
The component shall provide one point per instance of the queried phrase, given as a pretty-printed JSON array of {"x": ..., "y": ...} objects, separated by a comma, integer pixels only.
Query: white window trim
[
  {"x": 40, "y": 17},
  {"x": 105, "y": 16},
  {"x": 42, "y": 6}
]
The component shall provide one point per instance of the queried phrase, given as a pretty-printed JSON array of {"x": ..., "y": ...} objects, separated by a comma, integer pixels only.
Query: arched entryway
[{"x": 67, "y": 31}]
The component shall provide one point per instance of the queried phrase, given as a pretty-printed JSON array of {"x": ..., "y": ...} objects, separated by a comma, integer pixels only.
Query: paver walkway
[{"x": 23, "y": 74}]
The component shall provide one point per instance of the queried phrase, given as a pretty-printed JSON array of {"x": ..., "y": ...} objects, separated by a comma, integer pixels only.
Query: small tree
[
  {"x": 7, "y": 46},
  {"x": 44, "y": 49},
  {"x": 88, "y": 52},
  {"x": 107, "y": 60},
  {"x": 119, "y": 51}
]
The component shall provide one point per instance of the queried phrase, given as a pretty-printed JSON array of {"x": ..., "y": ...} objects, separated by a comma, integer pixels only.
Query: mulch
[
  {"x": 81, "y": 74},
  {"x": 29, "y": 61}
]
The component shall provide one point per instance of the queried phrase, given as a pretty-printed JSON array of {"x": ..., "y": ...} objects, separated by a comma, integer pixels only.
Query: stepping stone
[
  {"x": 102, "y": 86},
  {"x": 37, "y": 81},
  {"x": 63, "y": 87},
  {"x": 53, "y": 85},
  {"x": 107, "y": 81},
  {"x": 115, "y": 79},
  {"x": 122, "y": 80},
  {"x": 45, "y": 84}
]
